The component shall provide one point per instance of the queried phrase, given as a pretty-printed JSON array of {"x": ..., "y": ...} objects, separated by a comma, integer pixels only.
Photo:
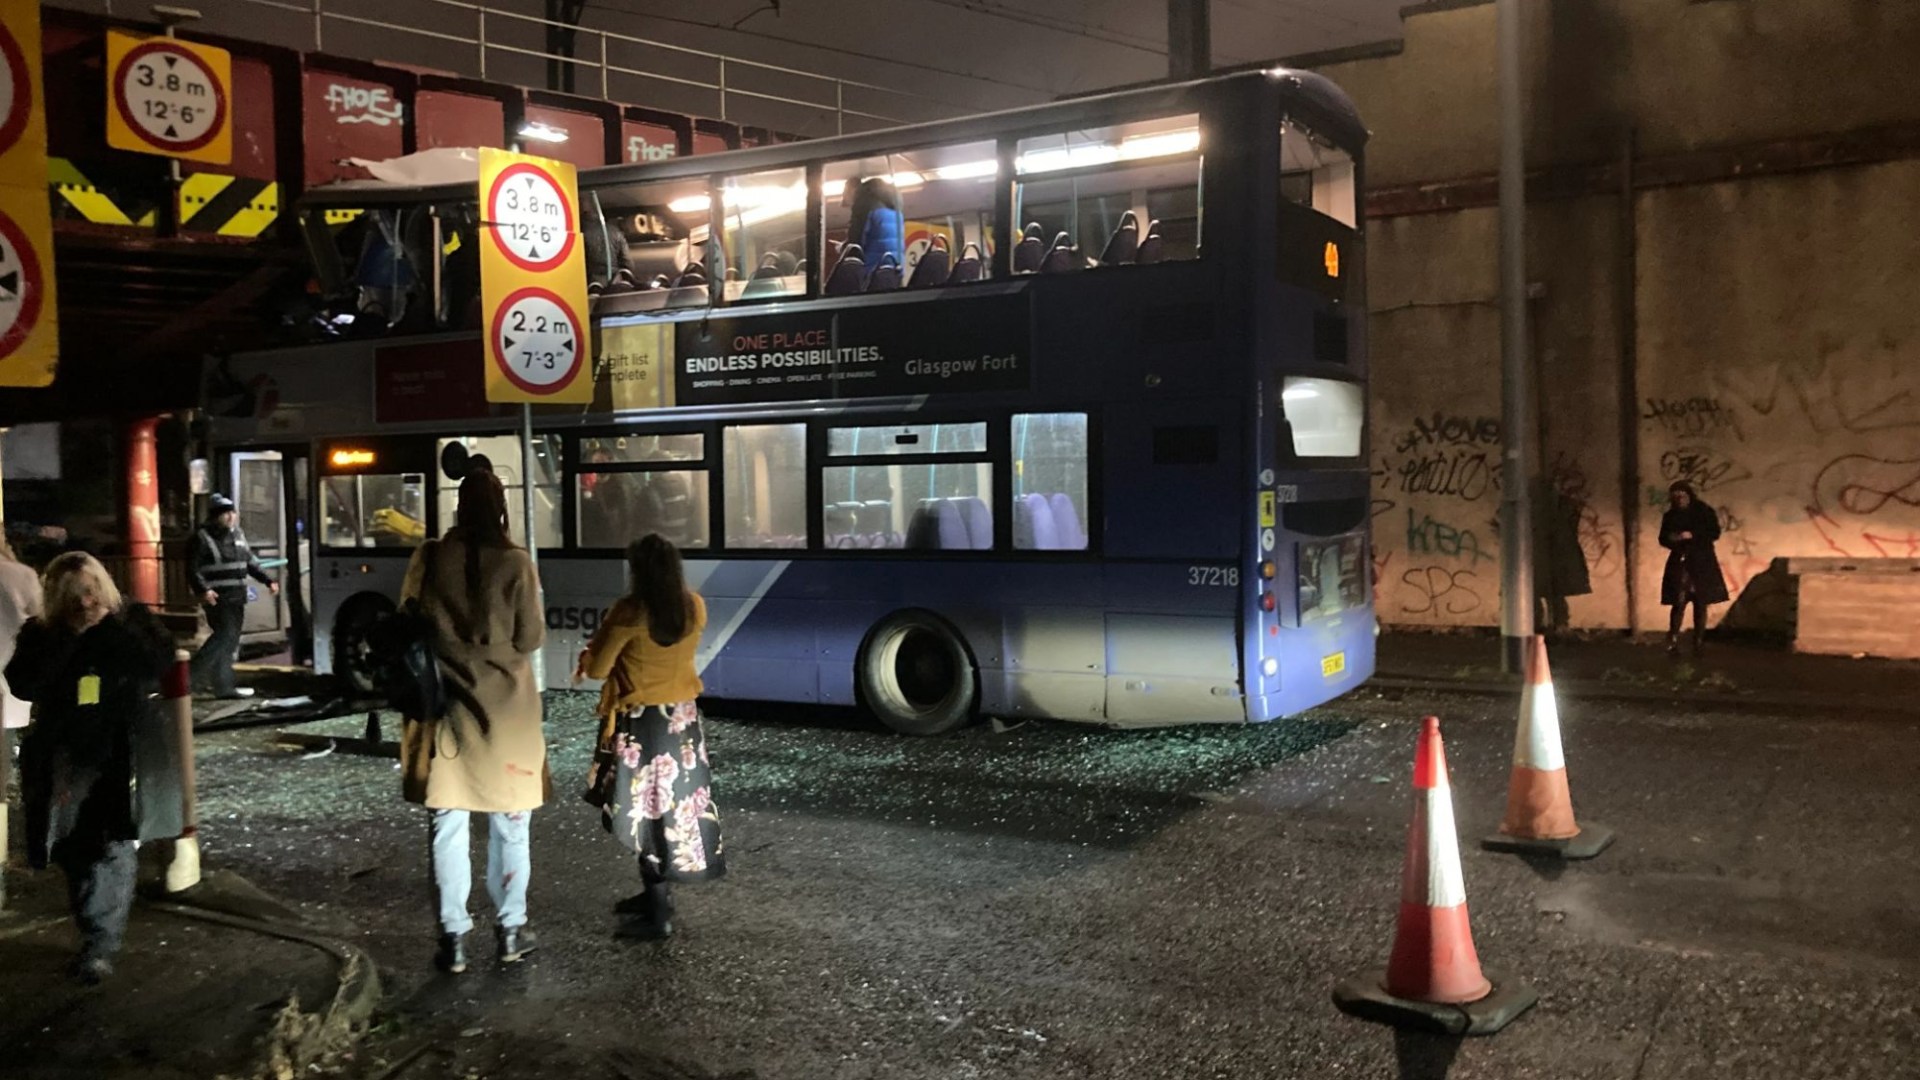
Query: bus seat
[
  {"x": 1124, "y": 244},
  {"x": 886, "y": 275},
  {"x": 840, "y": 522},
  {"x": 952, "y": 525},
  {"x": 759, "y": 288},
  {"x": 1060, "y": 257},
  {"x": 873, "y": 515},
  {"x": 769, "y": 268},
  {"x": 1067, "y": 521},
  {"x": 1033, "y": 524},
  {"x": 923, "y": 531},
  {"x": 646, "y": 258},
  {"x": 979, "y": 518},
  {"x": 934, "y": 266},
  {"x": 849, "y": 273},
  {"x": 686, "y": 296},
  {"x": 968, "y": 267},
  {"x": 1152, "y": 248},
  {"x": 1030, "y": 252}
]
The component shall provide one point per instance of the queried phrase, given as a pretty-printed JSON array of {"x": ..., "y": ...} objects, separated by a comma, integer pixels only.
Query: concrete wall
[{"x": 1775, "y": 340}]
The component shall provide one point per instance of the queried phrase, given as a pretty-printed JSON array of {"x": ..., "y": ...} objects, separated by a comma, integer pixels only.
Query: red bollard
[{"x": 183, "y": 872}]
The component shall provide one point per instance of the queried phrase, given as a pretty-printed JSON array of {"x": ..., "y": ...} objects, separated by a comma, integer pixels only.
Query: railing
[{"x": 603, "y": 54}]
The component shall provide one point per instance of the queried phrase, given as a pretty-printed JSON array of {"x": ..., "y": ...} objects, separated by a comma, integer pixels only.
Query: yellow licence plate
[{"x": 1333, "y": 665}]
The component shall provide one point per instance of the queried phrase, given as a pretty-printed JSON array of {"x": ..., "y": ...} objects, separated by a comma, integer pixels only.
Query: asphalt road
[{"x": 1065, "y": 902}]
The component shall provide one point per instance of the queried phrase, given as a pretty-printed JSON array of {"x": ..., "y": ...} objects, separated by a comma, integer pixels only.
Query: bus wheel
[
  {"x": 916, "y": 675},
  {"x": 353, "y": 662}
]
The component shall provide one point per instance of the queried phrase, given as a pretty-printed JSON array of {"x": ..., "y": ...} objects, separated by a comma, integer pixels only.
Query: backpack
[{"x": 410, "y": 675}]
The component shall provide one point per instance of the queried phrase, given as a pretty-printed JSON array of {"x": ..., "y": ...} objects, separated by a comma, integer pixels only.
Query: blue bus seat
[
  {"x": 1124, "y": 244},
  {"x": 979, "y": 518},
  {"x": 1067, "y": 522},
  {"x": 886, "y": 275},
  {"x": 953, "y": 526},
  {"x": 849, "y": 273},
  {"x": 840, "y": 521},
  {"x": 968, "y": 267},
  {"x": 1033, "y": 524},
  {"x": 934, "y": 266},
  {"x": 1061, "y": 257},
  {"x": 1030, "y": 251}
]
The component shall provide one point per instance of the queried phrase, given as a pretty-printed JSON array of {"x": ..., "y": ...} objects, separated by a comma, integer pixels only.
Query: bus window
[
  {"x": 1317, "y": 175},
  {"x": 1333, "y": 577},
  {"x": 1110, "y": 196},
  {"x": 895, "y": 209},
  {"x": 1326, "y": 416},
  {"x": 766, "y": 485},
  {"x": 637, "y": 491},
  {"x": 925, "y": 500},
  {"x": 647, "y": 245},
  {"x": 765, "y": 229},
  {"x": 1050, "y": 482},
  {"x": 377, "y": 511},
  {"x": 503, "y": 451}
]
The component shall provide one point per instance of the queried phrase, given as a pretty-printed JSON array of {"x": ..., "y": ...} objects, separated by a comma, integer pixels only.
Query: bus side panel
[
  {"x": 1173, "y": 669},
  {"x": 1187, "y": 507},
  {"x": 1056, "y": 662}
]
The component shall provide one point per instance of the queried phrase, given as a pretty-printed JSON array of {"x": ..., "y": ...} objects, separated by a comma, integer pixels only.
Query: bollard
[{"x": 183, "y": 872}]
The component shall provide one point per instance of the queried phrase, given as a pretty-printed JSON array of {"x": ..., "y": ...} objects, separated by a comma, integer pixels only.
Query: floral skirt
[{"x": 652, "y": 782}]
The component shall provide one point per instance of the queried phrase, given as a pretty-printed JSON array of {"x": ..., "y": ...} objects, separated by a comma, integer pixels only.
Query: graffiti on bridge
[
  {"x": 1863, "y": 504},
  {"x": 1426, "y": 535},
  {"x": 1444, "y": 430},
  {"x": 1440, "y": 590},
  {"x": 1691, "y": 418}
]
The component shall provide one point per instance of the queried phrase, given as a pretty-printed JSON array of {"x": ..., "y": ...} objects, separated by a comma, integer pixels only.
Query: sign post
[
  {"x": 29, "y": 326},
  {"x": 533, "y": 284}
]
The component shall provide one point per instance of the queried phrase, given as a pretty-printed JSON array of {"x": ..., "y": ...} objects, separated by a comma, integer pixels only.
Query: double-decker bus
[{"x": 1053, "y": 412}]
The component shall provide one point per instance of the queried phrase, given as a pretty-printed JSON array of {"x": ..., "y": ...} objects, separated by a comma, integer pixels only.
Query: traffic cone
[
  {"x": 1539, "y": 817},
  {"x": 1433, "y": 978}
]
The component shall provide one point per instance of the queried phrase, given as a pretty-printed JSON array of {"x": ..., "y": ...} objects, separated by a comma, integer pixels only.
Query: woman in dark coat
[
  {"x": 90, "y": 666},
  {"x": 1688, "y": 530}
]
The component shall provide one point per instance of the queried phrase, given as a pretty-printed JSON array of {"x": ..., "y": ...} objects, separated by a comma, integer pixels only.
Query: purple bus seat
[
  {"x": 979, "y": 519},
  {"x": 1067, "y": 520},
  {"x": 953, "y": 527},
  {"x": 1041, "y": 532}
]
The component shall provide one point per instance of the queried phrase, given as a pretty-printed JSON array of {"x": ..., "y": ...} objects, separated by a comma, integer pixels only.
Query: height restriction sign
[
  {"x": 171, "y": 97},
  {"x": 533, "y": 281},
  {"x": 29, "y": 324}
]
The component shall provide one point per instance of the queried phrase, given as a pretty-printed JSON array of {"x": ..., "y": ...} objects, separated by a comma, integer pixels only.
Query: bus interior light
[
  {"x": 967, "y": 170},
  {"x": 690, "y": 204},
  {"x": 1161, "y": 144},
  {"x": 350, "y": 459}
]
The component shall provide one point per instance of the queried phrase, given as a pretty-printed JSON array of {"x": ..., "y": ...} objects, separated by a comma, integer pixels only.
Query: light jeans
[{"x": 509, "y": 864}]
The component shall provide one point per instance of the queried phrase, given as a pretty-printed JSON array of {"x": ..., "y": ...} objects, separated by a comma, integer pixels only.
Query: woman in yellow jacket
[{"x": 650, "y": 775}]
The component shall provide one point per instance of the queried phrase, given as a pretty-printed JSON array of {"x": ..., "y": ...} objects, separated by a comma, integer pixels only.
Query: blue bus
[{"x": 1054, "y": 412}]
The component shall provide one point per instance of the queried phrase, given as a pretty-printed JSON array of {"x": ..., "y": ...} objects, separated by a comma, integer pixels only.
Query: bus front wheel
[
  {"x": 916, "y": 675},
  {"x": 353, "y": 662}
]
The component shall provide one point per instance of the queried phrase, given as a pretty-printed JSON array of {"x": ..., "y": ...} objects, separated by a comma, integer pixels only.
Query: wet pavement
[{"x": 1056, "y": 901}]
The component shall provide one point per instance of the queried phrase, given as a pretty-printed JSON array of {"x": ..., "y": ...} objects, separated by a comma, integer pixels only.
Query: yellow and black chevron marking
[
  {"x": 77, "y": 191},
  {"x": 228, "y": 205}
]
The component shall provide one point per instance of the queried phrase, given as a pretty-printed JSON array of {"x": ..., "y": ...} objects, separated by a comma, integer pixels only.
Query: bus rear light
[
  {"x": 1266, "y": 601},
  {"x": 1270, "y": 667},
  {"x": 1268, "y": 569}
]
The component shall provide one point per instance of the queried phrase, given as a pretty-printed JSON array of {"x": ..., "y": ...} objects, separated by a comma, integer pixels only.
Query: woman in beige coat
[{"x": 488, "y": 754}]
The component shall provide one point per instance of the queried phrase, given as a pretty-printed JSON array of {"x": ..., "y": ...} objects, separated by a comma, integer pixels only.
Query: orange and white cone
[
  {"x": 1539, "y": 814},
  {"x": 1433, "y": 957},
  {"x": 1433, "y": 978}
]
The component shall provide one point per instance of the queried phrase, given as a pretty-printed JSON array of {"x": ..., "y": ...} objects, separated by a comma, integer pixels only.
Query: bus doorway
[{"x": 270, "y": 492}]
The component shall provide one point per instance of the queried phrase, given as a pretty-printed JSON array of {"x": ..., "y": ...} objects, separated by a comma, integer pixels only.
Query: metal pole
[
  {"x": 606, "y": 91},
  {"x": 526, "y": 483},
  {"x": 1189, "y": 39},
  {"x": 480, "y": 37},
  {"x": 318, "y": 19},
  {"x": 839, "y": 107},
  {"x": 1516, "y": 531},
  {"x": 723, "y": 88}
]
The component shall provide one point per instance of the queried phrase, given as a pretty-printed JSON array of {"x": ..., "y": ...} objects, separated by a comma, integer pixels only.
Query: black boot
[
  {"x": 655, "y": 921},
  {"x": 515, "y": 942},
  {"x": 1673, "y": 645},
  {"x": 1699, "y": 642},
  {"x": 451, "y": 956}
]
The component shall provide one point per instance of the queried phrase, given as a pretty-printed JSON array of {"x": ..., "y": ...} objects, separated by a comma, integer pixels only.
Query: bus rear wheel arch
[
  {"x": 353, "y": 626},
  {"x": 916, "y": 674}
]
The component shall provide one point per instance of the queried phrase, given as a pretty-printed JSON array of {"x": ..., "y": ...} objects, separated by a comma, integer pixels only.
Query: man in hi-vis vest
[{"x": 222, "y": 563}]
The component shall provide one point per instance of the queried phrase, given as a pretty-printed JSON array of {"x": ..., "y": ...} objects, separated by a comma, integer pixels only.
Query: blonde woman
[
  {"x": 91, "y": 665},
  {"x": 19, "y": 601}
]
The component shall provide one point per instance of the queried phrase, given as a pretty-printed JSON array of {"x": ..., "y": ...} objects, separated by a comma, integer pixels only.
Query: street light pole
[{"x": 1516, "y": 412}]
